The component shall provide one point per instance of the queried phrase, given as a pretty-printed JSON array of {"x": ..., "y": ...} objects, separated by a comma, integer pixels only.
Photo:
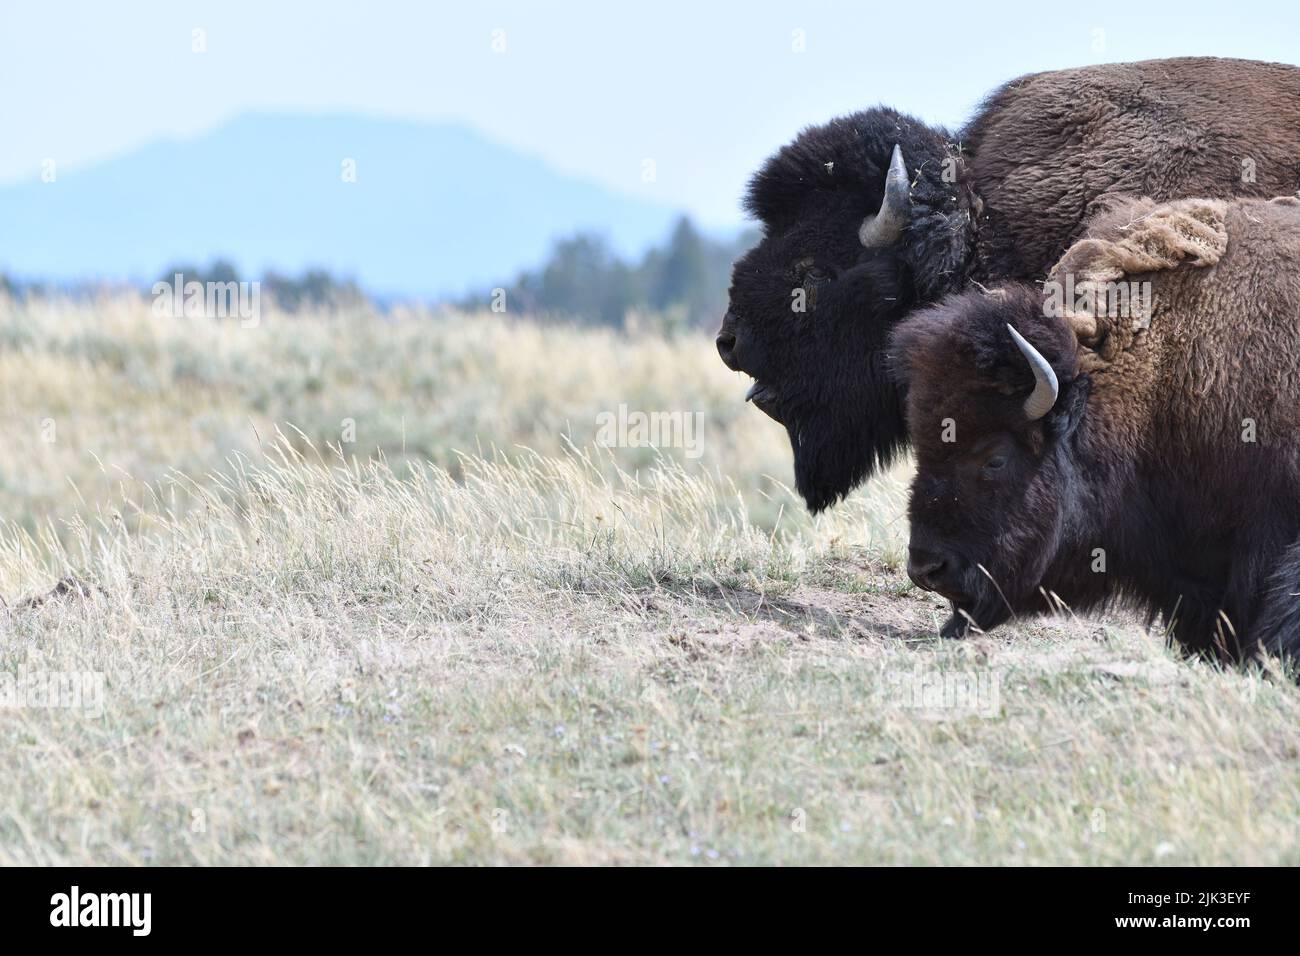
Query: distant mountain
[{"x": 435, "y": 209}]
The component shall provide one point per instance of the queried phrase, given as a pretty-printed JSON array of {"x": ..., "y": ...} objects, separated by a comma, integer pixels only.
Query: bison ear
[
  {"x": 1069, "y": 411},
  {"x": 884, "y": 228}
]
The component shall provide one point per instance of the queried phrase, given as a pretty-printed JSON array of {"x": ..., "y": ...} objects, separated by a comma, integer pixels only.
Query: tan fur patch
[{"x": 1132, "y": 241}]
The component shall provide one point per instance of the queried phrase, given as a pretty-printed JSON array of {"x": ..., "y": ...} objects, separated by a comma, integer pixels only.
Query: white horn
[
  {"x": 884, "y": 228},
  {"x": 1043, "y": 397}
]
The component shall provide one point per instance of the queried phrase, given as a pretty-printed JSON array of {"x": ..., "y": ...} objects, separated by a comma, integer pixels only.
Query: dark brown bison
[
  {"x": 1143, "y": 448},
  {"x": 869, "y": 216}
]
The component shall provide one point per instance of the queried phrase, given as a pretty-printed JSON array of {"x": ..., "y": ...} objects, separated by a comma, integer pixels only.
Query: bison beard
[
  {"x": 1001, "y": 200},
  {"x": 1163, "y": 468}
]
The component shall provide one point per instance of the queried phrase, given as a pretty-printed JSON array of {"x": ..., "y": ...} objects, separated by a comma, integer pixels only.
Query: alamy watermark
[
  {"x": 1130, "y": 300},
  {"x": 213, "y": 300},
  {"x": 63, "y": 690},
  {"x": 130, "y": 910},
  {"x": 637, "y": 429},
  {"x": 941, "y": 694}
]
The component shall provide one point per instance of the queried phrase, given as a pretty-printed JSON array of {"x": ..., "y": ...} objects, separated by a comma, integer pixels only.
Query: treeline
[
  {"x": 314, "y": 288},
  {"x": 683, "y": 282}
]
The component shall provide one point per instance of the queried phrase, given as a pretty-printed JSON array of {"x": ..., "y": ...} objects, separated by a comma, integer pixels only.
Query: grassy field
[{"x": 458, "y": 629}]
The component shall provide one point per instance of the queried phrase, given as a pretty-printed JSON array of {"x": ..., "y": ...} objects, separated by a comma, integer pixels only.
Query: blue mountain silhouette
[{"x": 436, "y": 209}]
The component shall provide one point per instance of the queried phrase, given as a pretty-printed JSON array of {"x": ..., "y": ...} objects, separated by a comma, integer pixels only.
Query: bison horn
[
  {"x": 884, "y": 228},
  {"x": 1043, "y": 397}
]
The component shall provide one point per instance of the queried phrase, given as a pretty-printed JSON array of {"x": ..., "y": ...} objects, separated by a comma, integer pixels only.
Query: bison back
[{"x": 1048, "y": 151}]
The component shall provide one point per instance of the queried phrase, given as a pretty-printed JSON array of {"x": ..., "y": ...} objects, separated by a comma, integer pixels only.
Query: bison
[
  {"x": 1073, "y": 452},
  {"x": 870, "y": 216}
]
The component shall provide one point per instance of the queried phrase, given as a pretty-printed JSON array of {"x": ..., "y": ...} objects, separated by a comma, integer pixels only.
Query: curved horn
[
  {"x": 884, "y": 228},
  {"x": 1043, "y": 397}
]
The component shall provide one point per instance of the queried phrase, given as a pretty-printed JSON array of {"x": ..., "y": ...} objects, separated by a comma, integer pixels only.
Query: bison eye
[
  {"x": 812, "y": 279},
  {"x": 807, "y": 270},
  {"x": 812, "y": 286},
  {"x": 995, "y": 463}
]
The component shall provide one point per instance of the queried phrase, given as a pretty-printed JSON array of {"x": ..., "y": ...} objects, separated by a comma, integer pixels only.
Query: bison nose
[
  {"x": 727, "y": 349},
  {"x": 727, "y": 342},
  {"x": 925, "y": 568}
]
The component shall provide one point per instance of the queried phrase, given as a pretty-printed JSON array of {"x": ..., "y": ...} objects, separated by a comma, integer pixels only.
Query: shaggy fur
[
  {"x": 1000, "y": 201},
  {"x": 1162, "y": 128},
  {"x": 1168, "y": 472}
]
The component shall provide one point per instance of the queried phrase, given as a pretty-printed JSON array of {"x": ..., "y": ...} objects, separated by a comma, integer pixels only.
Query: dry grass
[{"x": 582, "y": 656}]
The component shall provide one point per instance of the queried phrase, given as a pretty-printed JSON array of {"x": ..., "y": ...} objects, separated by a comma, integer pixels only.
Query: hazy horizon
[{"x": 577, "y": 84}]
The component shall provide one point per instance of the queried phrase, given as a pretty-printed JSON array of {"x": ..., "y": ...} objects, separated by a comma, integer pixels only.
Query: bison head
[
  {"x": 862, "y": 218},
  {"x": 994, "y": 395}
]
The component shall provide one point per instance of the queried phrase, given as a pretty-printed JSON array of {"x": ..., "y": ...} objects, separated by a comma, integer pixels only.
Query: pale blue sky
[{"x": 705, "y": 89}]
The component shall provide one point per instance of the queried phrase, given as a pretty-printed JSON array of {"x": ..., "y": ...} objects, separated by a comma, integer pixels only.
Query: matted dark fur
[
  {"x": 1167, "y": 474},
  {"x": 1000, "y": 200}
]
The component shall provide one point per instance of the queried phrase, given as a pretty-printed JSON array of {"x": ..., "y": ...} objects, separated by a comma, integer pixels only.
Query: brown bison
[
  {"x": 870, "y": 216},
  {"x": 1092, "y": 447}
]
